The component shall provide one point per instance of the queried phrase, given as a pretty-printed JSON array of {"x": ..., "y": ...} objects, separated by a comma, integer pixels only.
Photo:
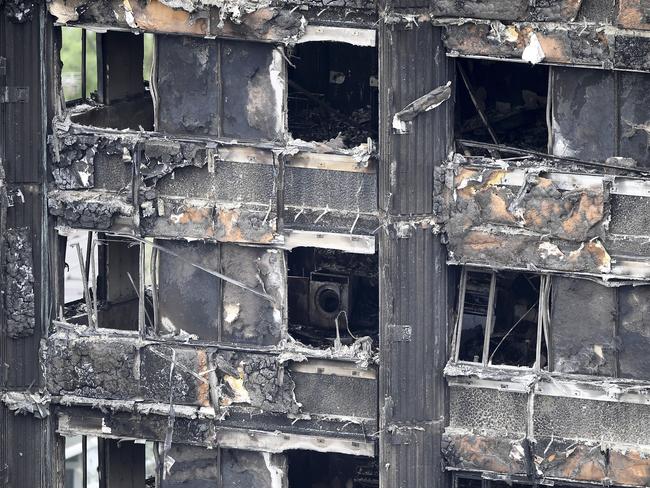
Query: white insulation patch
[{"x": 533, "y": 53}]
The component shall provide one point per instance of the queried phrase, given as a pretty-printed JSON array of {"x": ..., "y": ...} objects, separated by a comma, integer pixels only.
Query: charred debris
[{"x": 324, "y": 244}]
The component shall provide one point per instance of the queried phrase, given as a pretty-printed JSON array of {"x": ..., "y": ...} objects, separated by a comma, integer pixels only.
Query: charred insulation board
[
  {"x": 220, "y": 88},
  {"x": 336, "y": 395},
  {"x": 634, "y": 332},
  {"x": 186, "y": 83},
  {"x": 189, "y": 298},
  {"x": 242, "y": 469},
  {"x": 248, "y": 318},
  {"x": 193, "y": 467},
  {"x": 599, "y": 114},
  {"x": 582, "y": 337}
]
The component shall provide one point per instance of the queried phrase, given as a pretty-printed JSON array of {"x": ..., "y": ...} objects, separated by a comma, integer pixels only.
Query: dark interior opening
[
  {"x": 514, "y": 337},
  {"x": 333, "y": 91},
  {"x": 511, "y": 96},
  {"x": 309, "y": 469},
  {"x": 474, "y": 481},
  {"x": 327, "y": 288}
]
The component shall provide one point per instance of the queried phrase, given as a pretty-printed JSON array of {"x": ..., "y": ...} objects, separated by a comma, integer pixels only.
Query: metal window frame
[{"x": 543, "y": 320}]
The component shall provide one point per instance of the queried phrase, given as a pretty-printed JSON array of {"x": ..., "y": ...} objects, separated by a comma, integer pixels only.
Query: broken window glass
[{"x": 333, "y": 93}]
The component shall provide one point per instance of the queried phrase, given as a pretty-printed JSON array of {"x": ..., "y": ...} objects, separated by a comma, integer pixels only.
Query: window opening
[
  {"x": 332, "y": 296},
  {"x": 499, "y": 320},
  {"x": 79, "y": 59},
  {"x": 333, "y": 93},
  {"x": 81, "y": 462},
  {"x": 501, "y": 103},
  {"x": 315, "y": 469}
]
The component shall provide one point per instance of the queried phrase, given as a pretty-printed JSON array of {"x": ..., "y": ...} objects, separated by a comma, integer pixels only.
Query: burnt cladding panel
[
  {"x": 413, "y": 289},
  {"x": 243, "y": 469},
  {"x": 413, "y": 279},
  {"x": 313, "y": 188},
  {"x": 189, "y": 298},
  {"x": 331, "y": 395},
  {"x": 249, "y": 318},
  {"x": 582, "y": 338},
  {"x": 634, "y": 99},
  {"x": 575, "y": 418},
  {"x": 584, "y": 113},
  {"x": 21, "y": 155},
  {"x": 194, "y": 467},
  {"x": 479, "y": 408},
  {"x": 634, "y": 332},
  {"x": 253, "y": 90},
  {"x": 187, "y": 85},
  {"x": 21, "y": 444},
  {"x": 21, "y": 122}
]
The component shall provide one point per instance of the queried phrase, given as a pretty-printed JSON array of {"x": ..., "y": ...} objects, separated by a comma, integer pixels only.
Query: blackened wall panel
[
  {"x": 633, "y": 93},
  {"x": 189, "y": 297},
  {"x": 584, "y": 113},
  {"x": 252, "y": 75},
  {"x": 599, "y": 114},
  {"x": 21, "y": 150},
  {"x": 186, "y": 83}
]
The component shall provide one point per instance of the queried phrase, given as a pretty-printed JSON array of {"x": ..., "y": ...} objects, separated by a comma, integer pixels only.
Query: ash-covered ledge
[
  {"x": 545, "y": 383},
  {"x": 126, "y": 373},
  {"x": 586, "y": 44},
  {"x": 216, "y": 189}
]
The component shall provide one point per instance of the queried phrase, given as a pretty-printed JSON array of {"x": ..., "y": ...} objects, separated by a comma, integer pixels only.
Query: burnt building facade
[{"x": 325, "y": 244}]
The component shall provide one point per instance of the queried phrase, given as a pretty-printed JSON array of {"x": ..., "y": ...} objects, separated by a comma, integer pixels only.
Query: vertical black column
[
  {"x": 413, "y": 277},
  {"x": 29, "y": 452}
]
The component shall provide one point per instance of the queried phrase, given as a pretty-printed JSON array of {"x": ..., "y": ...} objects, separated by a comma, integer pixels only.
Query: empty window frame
[
  {"x": 107, "y": 75},
  {"x": 101, "y": 275},
  {"x": 501, "y": 103},
  {"x": 333, "y": 93},
  {"x": 474, "y": 480},
  {"x": 499, "y": 320},
  {"x": 79, "y": 64}
]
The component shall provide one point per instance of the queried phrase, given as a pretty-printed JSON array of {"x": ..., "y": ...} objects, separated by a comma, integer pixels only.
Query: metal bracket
[
  {"x": 14, "y": 94},
  {"x": 399, "y": 333}
]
